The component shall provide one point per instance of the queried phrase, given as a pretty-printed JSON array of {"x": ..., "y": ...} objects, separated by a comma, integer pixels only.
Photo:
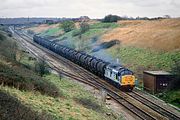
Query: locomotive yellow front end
[{"x": 128, "y": 81}]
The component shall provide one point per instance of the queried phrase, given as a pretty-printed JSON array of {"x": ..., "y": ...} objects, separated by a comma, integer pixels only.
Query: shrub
[
  {"x": 2, "y": 37},
  {"x": 111, "y": 18},
  {"x": 8, "y": 48},
  {"x": 94, "y": 39},
  {"x": 41, "y": 67},
  {"x": 175, "y": 70},
  {"x": 84, "y": 27},
  {"x": 47, "y": 88},
  {"x": 89, "y": 104},
  {"x": 24, "y": 79},
  {"x": 76, "y": 33},
  {"x": 68, "y": 26}
]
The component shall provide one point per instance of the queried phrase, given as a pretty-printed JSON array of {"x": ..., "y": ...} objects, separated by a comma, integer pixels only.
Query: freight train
[{"x": 115, "y": 74}]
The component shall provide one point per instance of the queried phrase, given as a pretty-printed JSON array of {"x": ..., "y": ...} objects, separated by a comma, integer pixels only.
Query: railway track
[
  {"x": 132, "y": 101},
  {"x": 155, "y": 107}
]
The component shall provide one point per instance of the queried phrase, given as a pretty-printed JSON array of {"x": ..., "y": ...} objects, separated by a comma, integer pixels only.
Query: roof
[
  {"x": 157, "y": 72},
  {"x": 115, "y": 67}
]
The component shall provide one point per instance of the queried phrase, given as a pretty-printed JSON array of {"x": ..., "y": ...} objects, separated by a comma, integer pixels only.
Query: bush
[
  {"x": 84, "y": 27},
  {"x": 24, "y": 79},
  {"x": 76, "y": 33},
  {"x": 94, "y": 39},
  {"x": 111, "y": 18},
  {"x": 89, "y": 104},
  {"x": 47, "y": 88},
  {"x": 8, "y": 48},
  {"x": 41, "y": 67},
  {"x": 68, "y": 26},
  {"x": 2, "y": 37},
  {"x": 175, "y": 70}
]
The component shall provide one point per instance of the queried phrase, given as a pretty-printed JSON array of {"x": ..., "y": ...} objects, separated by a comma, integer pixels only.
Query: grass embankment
[
  {"x": 172, "y": 97},
  {"x": 93, "y": 35},
  {"x": 140, "y": 59},
  {"x": 75, "y": 103},
  {"x": 149, "y": 59},
  {"x": 14, "y": 75},
  {"x": 52, "y": 32},
  {"x": 26, "y": 95},
  {"x": 156, "y": 34}
]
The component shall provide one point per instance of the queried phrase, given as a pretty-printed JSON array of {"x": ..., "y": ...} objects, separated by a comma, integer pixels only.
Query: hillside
[
  {"x": 163, "y": 35},
  {"x": 26, "y": 94},
  {"x": 43, "y": 27},
  {"x": 160, "y": 34}
]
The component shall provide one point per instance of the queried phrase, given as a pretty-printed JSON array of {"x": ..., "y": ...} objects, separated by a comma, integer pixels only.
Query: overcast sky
[{"x": 91, "y": 8}]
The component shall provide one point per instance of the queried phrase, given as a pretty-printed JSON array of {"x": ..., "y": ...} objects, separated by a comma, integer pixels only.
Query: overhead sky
[{"x": 91, "y": 8}]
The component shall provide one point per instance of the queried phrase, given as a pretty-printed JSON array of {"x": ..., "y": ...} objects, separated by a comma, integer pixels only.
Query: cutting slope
[
  {"x": 43, "y": 27},
  {"x": 159, "y": 34}
]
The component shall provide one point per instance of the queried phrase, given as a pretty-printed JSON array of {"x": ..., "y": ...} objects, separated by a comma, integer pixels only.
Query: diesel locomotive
[{"x": 115, "y": 74}]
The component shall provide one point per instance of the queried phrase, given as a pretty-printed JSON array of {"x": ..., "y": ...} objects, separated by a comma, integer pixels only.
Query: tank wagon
[{"x": 115, "y": 74}]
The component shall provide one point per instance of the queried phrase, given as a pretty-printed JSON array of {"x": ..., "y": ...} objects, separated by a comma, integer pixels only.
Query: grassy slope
[
  {"x": 52, "y": 32},
  {"x": 159, "y": 34},
  {"x": 134, "y": 57},
  {"x": 96, "y": 30},
  {"x": 64, "y": 107},
  {"x": 172, "y": 97},
  {"x": 73, "y": 103},
  {"x": 69, "y": 105},
  {"x": 42, "y": 28}
]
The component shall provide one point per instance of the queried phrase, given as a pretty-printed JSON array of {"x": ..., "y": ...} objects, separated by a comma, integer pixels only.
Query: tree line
[{"x": 115, "y": 18}]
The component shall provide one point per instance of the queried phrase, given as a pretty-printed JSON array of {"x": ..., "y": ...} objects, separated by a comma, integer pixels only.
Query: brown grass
[
  {"x": 90, "y": 22},
  {"x": 43, "y": 27},
  {"x": 160, "y": 34}
]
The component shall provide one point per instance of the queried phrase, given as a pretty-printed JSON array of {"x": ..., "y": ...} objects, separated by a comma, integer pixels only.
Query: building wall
[
  {"x": 162, "y": 82},
  {"x": 149, "y": 82}
]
